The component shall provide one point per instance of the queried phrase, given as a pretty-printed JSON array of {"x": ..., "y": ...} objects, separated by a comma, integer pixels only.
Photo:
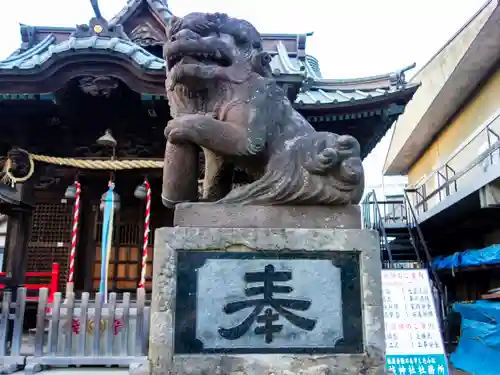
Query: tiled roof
[
  {"x": 321, "y": 96},
  {"x": 281, "y": 63},
  {"x": 318, "y": 90},
  {"x": 42, "y": 52},
  {"x": 315, "y": 88}
]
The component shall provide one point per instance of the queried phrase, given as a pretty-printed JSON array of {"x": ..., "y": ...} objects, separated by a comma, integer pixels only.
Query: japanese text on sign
[{"x": 412, "y": 335}]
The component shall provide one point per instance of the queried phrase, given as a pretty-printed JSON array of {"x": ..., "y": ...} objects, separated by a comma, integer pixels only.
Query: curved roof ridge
[
  {"x": 129, "y": 8},
  {"x": 282, "y": 63},
  {"x": 36, "y": 49},
  {"x": 69, "y": 29},
  {"x": 127, "y": 48},
  {"x": 285, "y": 59},
  {"x": 392, "y": 78},
  {"x": 336, "y": 81},
  {"x": 161, "y": 8}
]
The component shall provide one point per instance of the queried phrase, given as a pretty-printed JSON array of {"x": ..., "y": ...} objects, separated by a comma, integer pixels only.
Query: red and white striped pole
[
  {"x": 74, "y": 234},
  {"x": 146, "y": 234}
]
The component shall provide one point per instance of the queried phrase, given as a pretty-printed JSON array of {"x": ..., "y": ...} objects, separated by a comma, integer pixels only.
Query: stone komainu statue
[{"x": 224, "y": 99}]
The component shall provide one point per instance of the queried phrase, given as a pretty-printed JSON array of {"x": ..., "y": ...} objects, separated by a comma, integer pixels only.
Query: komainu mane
[{"x": 224, "y": 99}]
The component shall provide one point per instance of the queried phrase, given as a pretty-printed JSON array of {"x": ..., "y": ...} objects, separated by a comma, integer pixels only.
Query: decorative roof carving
[
  {"x": 398, "y": 78},
  {"x": 27, "y": 36},
  {"x": 98, "y": 86},
  {"x": 98, "y": 26},
  {"x": 146, "y": 35}
]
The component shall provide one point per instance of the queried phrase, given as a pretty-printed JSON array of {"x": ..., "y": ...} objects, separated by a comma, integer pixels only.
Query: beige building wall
[
  {"x": 461, "y": 129},
  {"x": 433, "y": 77}
]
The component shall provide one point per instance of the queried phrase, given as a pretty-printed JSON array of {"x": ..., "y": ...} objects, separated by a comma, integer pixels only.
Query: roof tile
[
  {"x": 317, "y": 89},
  {"x": 38, "y": 55}
]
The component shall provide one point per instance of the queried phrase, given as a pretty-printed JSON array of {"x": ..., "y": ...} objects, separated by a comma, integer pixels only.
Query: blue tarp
[
  {"x": 479, "y": 345},
  {"x": 469, "y": 258}
]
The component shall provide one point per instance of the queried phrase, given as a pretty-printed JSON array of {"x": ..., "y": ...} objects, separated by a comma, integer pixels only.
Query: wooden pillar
[
  {"x": 88, "y": 247},
  {"x": 16, "y": 248},
  {"x": 18, "y": 235}
]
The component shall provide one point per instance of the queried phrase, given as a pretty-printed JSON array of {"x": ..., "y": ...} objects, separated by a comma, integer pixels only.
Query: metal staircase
[
  {"x": 390, "y": 219},
  {"x": 401, "y": 240},
  {"x": 402, "y": 243}
]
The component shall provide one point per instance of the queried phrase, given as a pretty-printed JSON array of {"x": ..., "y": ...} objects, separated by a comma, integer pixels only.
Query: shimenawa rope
[{"x": 108, "y": 165}]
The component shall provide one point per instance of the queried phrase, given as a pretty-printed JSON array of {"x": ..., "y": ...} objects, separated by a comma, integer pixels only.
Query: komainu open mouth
[{"x": 205, "y": 58}]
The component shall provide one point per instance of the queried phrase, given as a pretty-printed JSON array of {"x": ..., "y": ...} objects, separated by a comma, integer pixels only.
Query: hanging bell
[
  {"x": 70, "y": 192},
  {"x": 107, "y": 139},
  {"x": 141, "y": 191},
  {"x": 116, "y": 201}
]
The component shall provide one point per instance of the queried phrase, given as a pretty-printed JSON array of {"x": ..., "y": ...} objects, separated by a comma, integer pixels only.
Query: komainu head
[{"x": 215, "y": 41}]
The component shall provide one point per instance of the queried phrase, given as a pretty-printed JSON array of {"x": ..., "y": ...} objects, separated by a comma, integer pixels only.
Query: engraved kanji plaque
[{"x": 263, "y": 303}]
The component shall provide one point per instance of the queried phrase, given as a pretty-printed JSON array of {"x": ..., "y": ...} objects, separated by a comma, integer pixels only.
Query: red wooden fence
[{"x": 52, "y": 285}]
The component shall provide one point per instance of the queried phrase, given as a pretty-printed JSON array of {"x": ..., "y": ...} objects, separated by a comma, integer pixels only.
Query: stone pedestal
[
  {"x": 206, "y": 215},
  {"x": 262, "y": 301}
]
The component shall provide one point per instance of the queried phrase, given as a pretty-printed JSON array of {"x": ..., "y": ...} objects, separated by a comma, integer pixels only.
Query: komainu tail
[{"x": 317, "y": 168}]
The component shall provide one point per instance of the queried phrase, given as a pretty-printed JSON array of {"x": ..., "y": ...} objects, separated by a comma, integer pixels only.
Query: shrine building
[{"x": 64, "y": 88}]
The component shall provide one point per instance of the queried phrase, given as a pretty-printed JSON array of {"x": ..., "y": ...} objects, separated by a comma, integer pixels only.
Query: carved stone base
[
  {"x": 213, "y": 215},
  {"x": 194, "y": 267}
]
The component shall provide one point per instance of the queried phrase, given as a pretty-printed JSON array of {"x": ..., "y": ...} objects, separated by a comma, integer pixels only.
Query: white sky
[{"x": 352, "y": 38}]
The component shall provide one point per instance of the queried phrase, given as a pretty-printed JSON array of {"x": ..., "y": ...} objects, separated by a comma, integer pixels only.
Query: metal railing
[
  {"x": 419, "y": 244},
  {"x": 391, "y": 212},
  {"x": 373, "y": 219},
  {"x": 418, "y": 241},
  {"x": 461, "y": 167}
]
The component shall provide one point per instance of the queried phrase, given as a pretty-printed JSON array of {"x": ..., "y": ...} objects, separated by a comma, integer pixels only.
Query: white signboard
[{"x": 413, "y": 339}]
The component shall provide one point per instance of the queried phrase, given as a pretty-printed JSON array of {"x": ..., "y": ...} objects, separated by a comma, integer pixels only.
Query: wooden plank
[
  {"x": 82, "y": 336},
  {"x": 124, "y": 349},
  {"x": 54, "y": 323},
  {"x": 147, "y": 321},
  {"x": 14, "y": 361},
  {"x": 96, "y": 331},
  {"x": 9, "y": 365},
  {"x": 40, "y": 321},
  {"x": 139, "y": 321},
  {"x": 4, "y": 322},
  {"x": 70, "y": 307},
  {"x": 127, "y": 357},
  {"x": 18, "y": 322},
  {"x": 110, "y": 326}
]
